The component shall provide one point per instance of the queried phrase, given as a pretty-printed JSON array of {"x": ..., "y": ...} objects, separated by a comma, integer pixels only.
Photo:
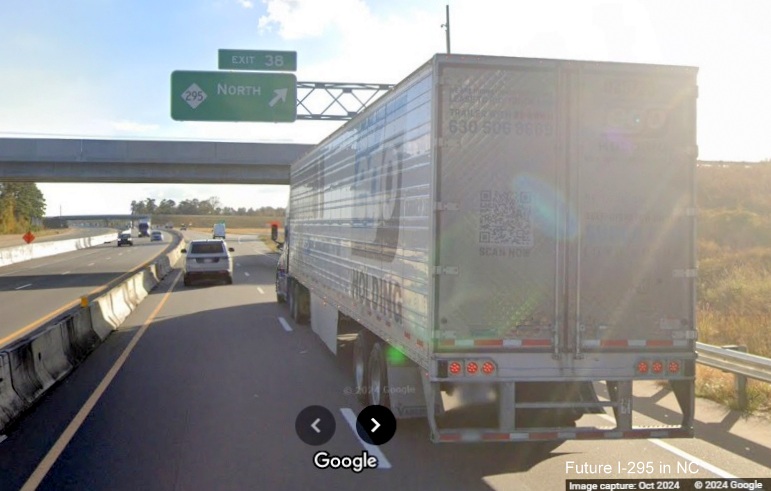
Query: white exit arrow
[
  {"x": 377, "y": 425},
  {"x": 280, "y": 96}
]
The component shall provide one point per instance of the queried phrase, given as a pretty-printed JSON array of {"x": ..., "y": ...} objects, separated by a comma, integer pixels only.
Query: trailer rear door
[
  {"x": 632, "y": 266},
  {"x": 501, "y": 209}
]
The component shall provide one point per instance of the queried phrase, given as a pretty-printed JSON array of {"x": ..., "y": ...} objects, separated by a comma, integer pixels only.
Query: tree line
[
  {"x": 211, "y": 206},
  {"x": 22, "y": 206}
]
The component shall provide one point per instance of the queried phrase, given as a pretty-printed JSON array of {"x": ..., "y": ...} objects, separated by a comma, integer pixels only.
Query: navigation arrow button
[
  {"x": 315, "y": 425},
  {"x": 384, "y": 425}
]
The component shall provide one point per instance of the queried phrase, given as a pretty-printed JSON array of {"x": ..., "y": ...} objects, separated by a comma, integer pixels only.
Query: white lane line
[
  {"x": 704, "y": 465},
  {"x": 48, "y": 263},
  {"x": 285, "y": 324},
  {"x": 682, "y": 453},
  {"x": 374, "y": 450},
  {"x": 108, "y": 258},
  {"x": 238, "y": 264},
  {"x": 23, "y": 286},
  {"x": 91, "y": 264},
  {"x": 247, "y": 274},
  {"x": 259, "y": 289},
  {"x": 66, "y": 272},
  {"x": 120, "y": 253},
  {"x": 2, "y": 438},
  {"x": 34, "y": 480}
]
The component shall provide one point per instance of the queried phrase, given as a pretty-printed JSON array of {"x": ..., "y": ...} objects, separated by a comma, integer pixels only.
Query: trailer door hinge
[
  {"x": 445, "y": 270},
  {"x": 689, "y": 334},
  {"x": 447, "y": 206},
  {"x": 685, "y": 273},
  {"x": 447, "y": 142}
]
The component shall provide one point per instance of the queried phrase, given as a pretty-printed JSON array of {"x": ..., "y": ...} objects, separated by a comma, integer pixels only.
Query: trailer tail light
[
  {"x": 658, "y": 368},
  {"x": 469, "y": 368}
]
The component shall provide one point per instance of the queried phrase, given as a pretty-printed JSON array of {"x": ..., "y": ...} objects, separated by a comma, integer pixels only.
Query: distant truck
[
  {"x": 503, "y": 236},
  {"x": 218, "y": 231},
  {"x": 144, "y": 226}
]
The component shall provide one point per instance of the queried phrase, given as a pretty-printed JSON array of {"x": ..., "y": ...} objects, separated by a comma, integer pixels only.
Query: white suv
[{"x": 208, "y": 259}]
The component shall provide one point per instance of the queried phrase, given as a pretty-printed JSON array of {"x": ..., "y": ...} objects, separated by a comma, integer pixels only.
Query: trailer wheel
[
  {"x": 361, "y": 348},
  {"x": 378, "y": 376}
]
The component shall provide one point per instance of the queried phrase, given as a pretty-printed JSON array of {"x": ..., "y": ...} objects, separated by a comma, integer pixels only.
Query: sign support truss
[{"x": 334, "y": 101}]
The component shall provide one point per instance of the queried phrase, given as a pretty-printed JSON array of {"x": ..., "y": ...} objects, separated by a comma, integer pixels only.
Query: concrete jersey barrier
[
  {"x": 17, "y": 254},
  {"x": 30, "y": 367}
]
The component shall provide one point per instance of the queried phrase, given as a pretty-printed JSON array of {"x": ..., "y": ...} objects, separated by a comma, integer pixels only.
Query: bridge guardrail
[{"x": 736, "y": 360}]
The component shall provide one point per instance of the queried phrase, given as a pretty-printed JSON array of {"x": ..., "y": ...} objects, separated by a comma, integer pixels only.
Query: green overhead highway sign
[
  {"x": 243, "y": 59},
  {"x": 229, "y": 96}
]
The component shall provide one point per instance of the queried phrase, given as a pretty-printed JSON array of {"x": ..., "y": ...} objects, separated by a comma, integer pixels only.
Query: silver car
[{"x": 208, "y": 259}]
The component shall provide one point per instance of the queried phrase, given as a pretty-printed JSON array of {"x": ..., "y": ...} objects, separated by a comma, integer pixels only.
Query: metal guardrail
[{"x": 736, "y": 360}]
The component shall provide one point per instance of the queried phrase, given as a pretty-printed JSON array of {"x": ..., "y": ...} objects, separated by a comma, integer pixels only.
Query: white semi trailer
[{"x": 506, "y": 236}]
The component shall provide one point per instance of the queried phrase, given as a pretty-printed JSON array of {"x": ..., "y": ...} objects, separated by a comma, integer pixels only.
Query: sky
[{"x": 101, "y": 68}]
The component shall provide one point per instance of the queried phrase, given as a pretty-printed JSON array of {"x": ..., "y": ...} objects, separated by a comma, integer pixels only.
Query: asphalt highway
[
  {"x": 31, "y": 290},
  {"x": 200, "y": 388}
]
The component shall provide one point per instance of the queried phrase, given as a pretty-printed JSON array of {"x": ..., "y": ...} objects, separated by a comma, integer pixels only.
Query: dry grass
[
  {"x": 734, "y": 285},
  {"x": 208, "y": 221},
  {"x": 262, "y": 234},
  {"x": 718, "y": 386}
]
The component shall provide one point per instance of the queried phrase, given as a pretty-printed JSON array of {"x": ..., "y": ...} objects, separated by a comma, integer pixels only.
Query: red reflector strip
[
  {"x": 614, "y": 343},
  {"x": 626, "y": 343},
  {"x": 420, "y": 343},
  {"x": 407, "y": 335},
  {"x": 488, "y": 342},
  {"x": 497, "y": 343},
  {"x": 474, "y": 435},
  {"x": 451, "y": 437},
  {"x": 496, "y": 437},
  {"x": 536, "y": 342},
  {"x": 659, "y": 342}
]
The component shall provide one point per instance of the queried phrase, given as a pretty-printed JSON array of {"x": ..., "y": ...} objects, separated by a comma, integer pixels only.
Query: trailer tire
[
  {"x": 361, "y": 348},
  {"x": 378, "y": 376}
]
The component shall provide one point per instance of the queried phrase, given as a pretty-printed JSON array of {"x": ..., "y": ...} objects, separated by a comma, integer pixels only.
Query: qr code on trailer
[{"x": 505, "y": 218}]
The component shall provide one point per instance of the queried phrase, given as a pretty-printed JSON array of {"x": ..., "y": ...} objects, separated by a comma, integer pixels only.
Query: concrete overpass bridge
[
  {"x": 103, "y": 220},
  {"x": 146, "y": 161}
]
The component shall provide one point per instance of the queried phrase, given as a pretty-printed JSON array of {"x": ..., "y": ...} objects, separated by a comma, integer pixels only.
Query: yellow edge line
[{"x": 53, "y": 455}]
